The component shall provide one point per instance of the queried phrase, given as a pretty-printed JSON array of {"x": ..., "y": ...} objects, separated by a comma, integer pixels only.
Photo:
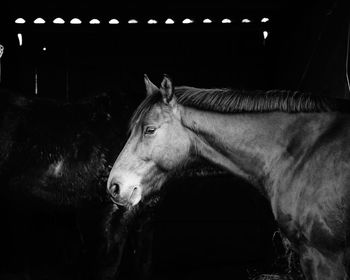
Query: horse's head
[{"x": 158, "y": 145}]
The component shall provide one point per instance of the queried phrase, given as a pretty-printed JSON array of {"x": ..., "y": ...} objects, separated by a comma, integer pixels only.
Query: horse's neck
[{"x": 249, "y": 145}]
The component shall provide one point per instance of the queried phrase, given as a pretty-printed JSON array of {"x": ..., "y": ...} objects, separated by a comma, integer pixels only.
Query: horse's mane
[{"x": 243, "y": 101}]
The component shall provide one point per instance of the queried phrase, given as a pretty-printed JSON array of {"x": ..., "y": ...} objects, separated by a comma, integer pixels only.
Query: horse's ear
[
  {"x": 150, "y": 87},
  {"x": 167, "y": 90}
]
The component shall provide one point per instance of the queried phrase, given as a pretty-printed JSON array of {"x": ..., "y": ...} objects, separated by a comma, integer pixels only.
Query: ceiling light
[
  {"x": 58, "y": 21},
  {"x": 114, "y": 21},
  {"x": 187, "y": 21},
  {"x": 20, "y": 21},
  {"x": 226, "y": 20},
  {"x": 169, "y": 21},
  {"x": 75, "y": 21},
  {"x": 94, "y": 21},
  {"x": 39, "y": 21}
]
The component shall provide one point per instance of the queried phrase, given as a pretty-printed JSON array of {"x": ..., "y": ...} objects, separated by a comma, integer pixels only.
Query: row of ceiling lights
[{"x": 131, "y": 21}]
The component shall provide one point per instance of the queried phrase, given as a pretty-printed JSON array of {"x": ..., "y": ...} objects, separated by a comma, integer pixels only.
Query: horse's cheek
[
  {"x": 168, "y": 150},
  {"x": 177, "y": 153},
  {"x": 164, "y": 156},
  {"x": 155, "y": 152}
]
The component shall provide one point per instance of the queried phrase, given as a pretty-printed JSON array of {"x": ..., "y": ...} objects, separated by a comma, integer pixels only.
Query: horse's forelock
[{"x": 142, "y": 110}]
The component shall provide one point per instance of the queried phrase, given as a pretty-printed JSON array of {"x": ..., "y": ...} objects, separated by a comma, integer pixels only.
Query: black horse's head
[{"x": 59, "y": 151}]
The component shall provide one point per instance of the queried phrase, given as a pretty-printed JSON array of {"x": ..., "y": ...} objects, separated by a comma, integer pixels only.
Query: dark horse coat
[{"x": 56, "y": 220}]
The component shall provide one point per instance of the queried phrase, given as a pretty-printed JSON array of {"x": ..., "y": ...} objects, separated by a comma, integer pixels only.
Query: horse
[
  {"x": 292, "y": 146},
  {"x": 55, "y": 215}
]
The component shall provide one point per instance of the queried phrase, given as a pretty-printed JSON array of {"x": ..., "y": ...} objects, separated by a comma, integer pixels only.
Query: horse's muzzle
[
  {"x": 114, "y": 191},
  {"x": 127, "y": 199}
]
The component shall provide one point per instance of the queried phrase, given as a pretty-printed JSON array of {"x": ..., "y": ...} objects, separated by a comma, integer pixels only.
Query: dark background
[{"x": 306, "y": 49}]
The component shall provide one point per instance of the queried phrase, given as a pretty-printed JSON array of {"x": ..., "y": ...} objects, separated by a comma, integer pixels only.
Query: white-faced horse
[{"x": 294, "y": 147}]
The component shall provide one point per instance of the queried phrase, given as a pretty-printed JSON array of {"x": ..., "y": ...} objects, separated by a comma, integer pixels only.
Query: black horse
[{"x": 56, "y": 219}]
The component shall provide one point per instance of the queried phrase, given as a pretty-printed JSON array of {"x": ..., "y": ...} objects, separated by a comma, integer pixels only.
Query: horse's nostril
[{"x": 114, "y": 189}]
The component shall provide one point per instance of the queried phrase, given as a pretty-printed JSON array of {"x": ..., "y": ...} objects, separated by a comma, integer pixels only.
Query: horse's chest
[
  {"x": 304, "y": 214},
  {"x": 285, "y": 212},
  {"x": 287, "y": 203}
]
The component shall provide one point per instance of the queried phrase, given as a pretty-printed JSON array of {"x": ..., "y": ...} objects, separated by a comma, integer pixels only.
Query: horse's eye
[{"x": 150, "y": 130}]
